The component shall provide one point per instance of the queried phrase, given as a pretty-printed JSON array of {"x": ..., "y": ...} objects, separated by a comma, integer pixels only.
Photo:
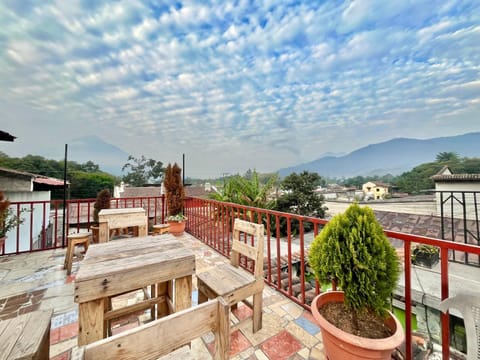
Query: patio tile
[
  {"x": 307, "y": 325},
  {"x": 288, "y": 331},
  {"x": 242, "y": 312},
  {"x": 63, "y": 333},
  {"x": 119, "y": 329},
  {"x": 63, "y": 356},
  {"x": 281, "y": 346}
]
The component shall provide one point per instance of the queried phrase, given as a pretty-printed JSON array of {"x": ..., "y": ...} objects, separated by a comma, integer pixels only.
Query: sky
[{"x": 236, "y": 85}]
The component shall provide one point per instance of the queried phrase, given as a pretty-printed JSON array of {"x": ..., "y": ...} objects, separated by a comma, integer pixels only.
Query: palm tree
[
  {"x": 249, "y": 192},
  {"x": 447, "y": 156}
]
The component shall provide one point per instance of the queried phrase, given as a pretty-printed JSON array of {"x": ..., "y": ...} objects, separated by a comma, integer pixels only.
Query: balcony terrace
[{"x": 35, "y": 279}]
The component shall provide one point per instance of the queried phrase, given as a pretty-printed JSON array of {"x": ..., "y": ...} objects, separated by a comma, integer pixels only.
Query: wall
[
  {"x": 15, "y": 184},
  {"x": 32, "y": 215},
  {"x": 457, "y": 199}
]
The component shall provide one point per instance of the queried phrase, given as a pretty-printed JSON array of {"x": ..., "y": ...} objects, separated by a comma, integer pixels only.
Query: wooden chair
[
  {"x": 233, "y": 283},
  {"x": 74, "y": 240},
  {"x": 168, "y": 335}
]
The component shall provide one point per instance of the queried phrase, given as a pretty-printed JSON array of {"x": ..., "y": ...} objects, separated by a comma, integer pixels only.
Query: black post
[
  {"x": 64, "y": 194},
  {"x": 183, "y": 169}
]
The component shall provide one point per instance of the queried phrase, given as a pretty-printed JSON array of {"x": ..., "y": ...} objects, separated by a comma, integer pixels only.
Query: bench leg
[{"x": 257, "y": 311}]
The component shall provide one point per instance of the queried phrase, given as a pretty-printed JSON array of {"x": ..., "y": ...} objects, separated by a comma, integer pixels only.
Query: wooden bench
[
  {"x": 26, "y": 336},
  {"x": 160, "y": 229},
  {"x": 74, "y": 240},
  {"x": 167, "y": 336}
]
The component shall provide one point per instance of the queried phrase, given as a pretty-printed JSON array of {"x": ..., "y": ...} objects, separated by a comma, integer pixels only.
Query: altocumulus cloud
[{"x": 239, "y": 84}]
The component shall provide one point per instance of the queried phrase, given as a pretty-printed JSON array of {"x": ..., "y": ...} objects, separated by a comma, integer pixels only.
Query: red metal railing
[
  {"x": 287, "y": 241},
  {"x": 42, "y": 224},
  {"x": 286, "y": 256}
]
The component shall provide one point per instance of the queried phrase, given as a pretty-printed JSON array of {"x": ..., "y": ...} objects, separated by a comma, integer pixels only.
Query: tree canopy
[
  {"x": 143, "y": 171},
  {"x": 249, "y": 191},
  {"x": 86, "y": 180}
]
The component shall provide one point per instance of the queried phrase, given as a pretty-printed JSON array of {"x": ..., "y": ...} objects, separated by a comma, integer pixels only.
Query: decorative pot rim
[{"x": 373, "y": 344}]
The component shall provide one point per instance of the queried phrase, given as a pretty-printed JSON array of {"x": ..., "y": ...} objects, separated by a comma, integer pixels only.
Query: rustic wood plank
[
  {"x": 26, "y": 336},
  {"x": 143, "y": 305},
  {"x": 183, "y": 293},
  {"x": 91, "y": 322},
  {"x": 174, "y": 331},
  {"x": 109, "y": 281}
]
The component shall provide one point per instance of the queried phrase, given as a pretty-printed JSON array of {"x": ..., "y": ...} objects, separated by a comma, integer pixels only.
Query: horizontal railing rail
[
  {"x": 288, "y": 237},
  {"x": 42, "y": 221}
]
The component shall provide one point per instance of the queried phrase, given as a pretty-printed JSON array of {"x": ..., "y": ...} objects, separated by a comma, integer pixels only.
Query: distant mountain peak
[
  {"x": 393, "y": 156},
  {"x": 109, "y": 157}
]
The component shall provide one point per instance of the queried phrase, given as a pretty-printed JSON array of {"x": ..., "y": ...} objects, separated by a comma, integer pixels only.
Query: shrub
[
  {"x": 102, "y": 202},
  {"x": 353, "y": 251},
  {"x": 174, "y": 192}
]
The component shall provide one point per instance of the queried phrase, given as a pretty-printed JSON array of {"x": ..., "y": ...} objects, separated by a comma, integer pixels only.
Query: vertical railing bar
[
  {"x": 289, "y": 255},
  {"x": 444, "y": 295},
  {"x": 465, "y": 232},
  {"x": 302, "y": 260},
  {"x": 408, "y": 299}
]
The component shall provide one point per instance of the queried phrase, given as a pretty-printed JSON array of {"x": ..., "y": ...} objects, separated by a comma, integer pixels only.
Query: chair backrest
[
  {"x": 162, "y": 336},
  {"x": 254, "y": 252},
  {"x": 469, "y": 306}
]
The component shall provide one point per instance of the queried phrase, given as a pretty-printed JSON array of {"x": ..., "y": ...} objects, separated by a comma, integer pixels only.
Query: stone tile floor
[{"x": 38, "y": 281}]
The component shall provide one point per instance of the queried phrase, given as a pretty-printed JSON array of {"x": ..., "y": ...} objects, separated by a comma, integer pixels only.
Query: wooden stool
[
  {"x": 73, "y": 240},
  {"x": 160, "y": 229},
  {"x": 26, "y": 336}
]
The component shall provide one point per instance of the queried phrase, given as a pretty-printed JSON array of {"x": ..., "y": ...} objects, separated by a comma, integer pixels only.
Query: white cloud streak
[{"x": 237, "y": 85}]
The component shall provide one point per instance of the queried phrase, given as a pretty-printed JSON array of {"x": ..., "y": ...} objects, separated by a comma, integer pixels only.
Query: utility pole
[{"x": 64, "y": 195}]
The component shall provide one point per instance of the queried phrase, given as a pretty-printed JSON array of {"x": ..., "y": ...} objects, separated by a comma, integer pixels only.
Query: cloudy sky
[{"x": 236, "y": 84}]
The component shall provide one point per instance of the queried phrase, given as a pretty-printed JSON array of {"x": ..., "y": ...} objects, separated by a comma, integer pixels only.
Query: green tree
[
  {"x": 143, "y": 171},
  {"x": 249, "y": 192},
  {"x": 84, "y": 185},
  {"x": 447, "y": 156},
  {"x": 299, "y": 198}
]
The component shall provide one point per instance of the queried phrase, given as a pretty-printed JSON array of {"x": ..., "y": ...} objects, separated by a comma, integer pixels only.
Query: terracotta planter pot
[
  {"x": 176, "y": 228},
  {"x": 340, "y": 345}
]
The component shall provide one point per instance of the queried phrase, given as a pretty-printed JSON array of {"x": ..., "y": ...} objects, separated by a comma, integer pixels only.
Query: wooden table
[
  {"x": 125, "y": 265},
  {"x": 26, "y": 336},
  {"x": 110, "y": 219}
]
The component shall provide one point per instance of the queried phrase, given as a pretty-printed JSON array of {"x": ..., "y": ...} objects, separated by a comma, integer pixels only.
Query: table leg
[
  {"x": 90, "y": 321},
  {"x": 183, "y": 293},
  {"x": 142, "y": 230},
  {"x": 162, "y": 307},
  {"x": 103, "y": 232}
]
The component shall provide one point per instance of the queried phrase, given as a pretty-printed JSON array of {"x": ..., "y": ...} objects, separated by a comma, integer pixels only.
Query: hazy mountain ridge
[
  {"x": 109, "y": 157},
  {"x": 390, "y": 157}
]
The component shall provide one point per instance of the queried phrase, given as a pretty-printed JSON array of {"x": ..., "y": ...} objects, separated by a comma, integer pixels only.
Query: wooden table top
[
  {"x": 121, "y": 211},
  {"x": 128, "y": 264}
]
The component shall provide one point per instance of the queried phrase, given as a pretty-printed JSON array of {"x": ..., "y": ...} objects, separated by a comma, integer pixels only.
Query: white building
[
  {"x": 20, "y": 186},
  {"x": 457, "y": 193}
]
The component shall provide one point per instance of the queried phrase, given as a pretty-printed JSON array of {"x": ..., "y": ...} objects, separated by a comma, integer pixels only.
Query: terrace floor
[{"x": 37, "y": 281}]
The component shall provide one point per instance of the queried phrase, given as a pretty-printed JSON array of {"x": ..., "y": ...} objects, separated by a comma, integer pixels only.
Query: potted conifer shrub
[
  {"x": 175, "y": 195},
  {"x": 353, "y": 252},
  {"x": 102, "y": 201}
]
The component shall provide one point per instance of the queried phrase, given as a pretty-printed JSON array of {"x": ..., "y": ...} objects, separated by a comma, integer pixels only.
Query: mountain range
[
  {"x": 390, "y": 157},
  {"x": 109, "y": 157}
]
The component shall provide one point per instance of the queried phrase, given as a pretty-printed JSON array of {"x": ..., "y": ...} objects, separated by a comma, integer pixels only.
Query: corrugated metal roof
[
  {"x": 39, "y": 179},
  {"x": 48, "y": 181},
  {"x": 456, "y": 177}
]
